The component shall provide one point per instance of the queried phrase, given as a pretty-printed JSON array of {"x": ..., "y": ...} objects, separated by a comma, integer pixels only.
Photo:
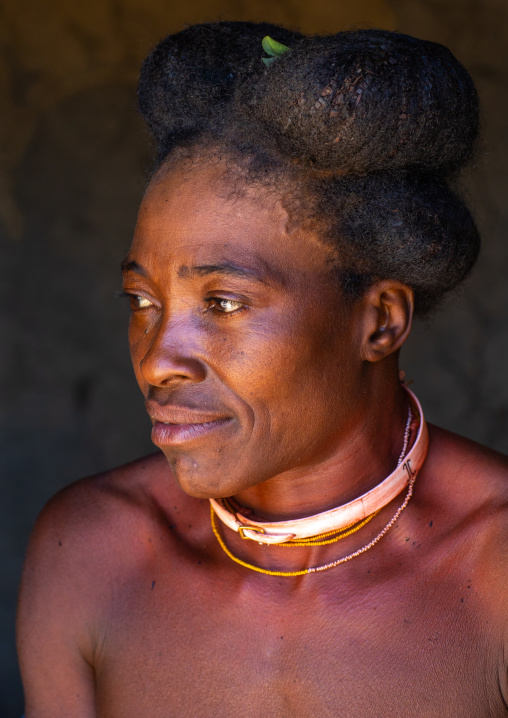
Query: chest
[{"x": 201, "y": 649}]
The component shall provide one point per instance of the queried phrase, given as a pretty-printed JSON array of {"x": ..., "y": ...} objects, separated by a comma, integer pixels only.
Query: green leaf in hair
[{"x": 273, "y": 48}]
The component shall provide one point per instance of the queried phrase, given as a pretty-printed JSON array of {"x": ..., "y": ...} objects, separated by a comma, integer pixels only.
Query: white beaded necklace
[{"x": 279, "y": 532}]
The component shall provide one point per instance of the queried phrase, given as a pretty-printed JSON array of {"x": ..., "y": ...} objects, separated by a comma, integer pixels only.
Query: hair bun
[
  {"x": 365, "y": 101},
  {"x": 188, "y": 77}
]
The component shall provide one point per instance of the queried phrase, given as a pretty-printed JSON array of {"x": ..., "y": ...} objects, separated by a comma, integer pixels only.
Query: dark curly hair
[{"x": 368, "y": 130}]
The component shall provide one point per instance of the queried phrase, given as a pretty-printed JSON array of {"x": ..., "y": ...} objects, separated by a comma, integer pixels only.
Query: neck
[{"x": 366, "y": 453}]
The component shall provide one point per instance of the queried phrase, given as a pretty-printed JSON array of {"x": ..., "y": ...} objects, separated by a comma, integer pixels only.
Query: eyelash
[
  {"x": 132, "y": 297},
  {"x": 212, "y": 302}
]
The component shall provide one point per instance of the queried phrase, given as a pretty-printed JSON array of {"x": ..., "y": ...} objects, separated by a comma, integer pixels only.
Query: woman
[{"x": 303, "y": 545}]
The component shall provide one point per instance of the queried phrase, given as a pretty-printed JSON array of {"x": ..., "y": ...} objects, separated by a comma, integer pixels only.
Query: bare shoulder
[
  {"x": 462, "y": 467},
  {"x": 94, "y": 544},
  {"x": 101, "y": 532},
  {"x": 463, "y": 494},
  {"x": 104, "y": 519},
  {"x": 95, "y": 507}
]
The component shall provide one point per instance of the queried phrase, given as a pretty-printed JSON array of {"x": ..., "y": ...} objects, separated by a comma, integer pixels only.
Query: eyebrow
[
  {"x": 130, "y": 265},
  {"x": 224, "y": 268}
]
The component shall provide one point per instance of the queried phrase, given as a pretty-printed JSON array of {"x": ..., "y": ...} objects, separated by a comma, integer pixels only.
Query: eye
[
  {"x": 137, "y": 301},
  {"x": 225, "y": 306}
]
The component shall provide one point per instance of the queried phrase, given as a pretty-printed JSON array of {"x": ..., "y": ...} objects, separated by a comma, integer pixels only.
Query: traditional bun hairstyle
[
  {"x": 189, "y": 79},
  {"x": 372, "y": 125}
]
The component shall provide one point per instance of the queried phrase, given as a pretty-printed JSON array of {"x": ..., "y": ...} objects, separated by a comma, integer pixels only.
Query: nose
[{"x": 172, "y": 356}]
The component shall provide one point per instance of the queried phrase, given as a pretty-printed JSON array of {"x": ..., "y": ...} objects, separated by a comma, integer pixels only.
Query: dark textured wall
[
  {"x": 459, "y": 361},
  {"x": 73, "y": 160}
]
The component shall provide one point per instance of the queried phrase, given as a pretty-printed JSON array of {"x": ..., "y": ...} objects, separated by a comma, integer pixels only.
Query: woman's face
[{"x": 241, "y": 343}]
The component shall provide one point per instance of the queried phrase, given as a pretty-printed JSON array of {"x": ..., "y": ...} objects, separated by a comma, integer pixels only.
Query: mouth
[
  {"x": 165, "y": 434},
  {"x": 173, "y": 426}
]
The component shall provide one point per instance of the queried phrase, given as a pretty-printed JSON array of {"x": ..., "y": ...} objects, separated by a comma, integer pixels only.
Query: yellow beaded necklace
[
  {"x": 418, "y": 454},
  {"x": 324, "y": 567},
  {"x": 324, "y": 539}
]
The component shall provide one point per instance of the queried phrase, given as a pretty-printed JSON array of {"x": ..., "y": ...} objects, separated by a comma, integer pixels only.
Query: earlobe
[{"x": 388, "y": 312}]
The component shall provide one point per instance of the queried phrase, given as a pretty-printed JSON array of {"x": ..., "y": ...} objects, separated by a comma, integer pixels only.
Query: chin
[{"x": 207, "y": 480}]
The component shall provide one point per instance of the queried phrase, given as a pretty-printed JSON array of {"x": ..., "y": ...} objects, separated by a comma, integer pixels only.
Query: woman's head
[
  {"x": 361, "y": 134},
  {"x": 251, "y": 363}
]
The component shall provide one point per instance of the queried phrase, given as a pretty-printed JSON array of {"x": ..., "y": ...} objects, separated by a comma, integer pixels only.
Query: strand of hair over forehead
[{"x": 373, "y": 124}]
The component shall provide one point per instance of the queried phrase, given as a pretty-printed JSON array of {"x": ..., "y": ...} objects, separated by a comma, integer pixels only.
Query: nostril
[
  {"x": 172, "y": 368},
  {"x": 171, "y": 353}
]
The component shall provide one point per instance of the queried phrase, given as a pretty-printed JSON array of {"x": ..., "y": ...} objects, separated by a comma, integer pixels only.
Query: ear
[{"x": 387, "y": 317}]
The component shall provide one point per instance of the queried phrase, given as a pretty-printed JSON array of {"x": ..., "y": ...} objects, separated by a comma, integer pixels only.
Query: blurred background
[{"x": 74, "y": 159}]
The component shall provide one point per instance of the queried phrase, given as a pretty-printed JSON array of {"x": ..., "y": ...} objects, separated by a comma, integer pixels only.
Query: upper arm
[
  {"x": 84, "y": 545},
  {"x": 55, "y": 643}
]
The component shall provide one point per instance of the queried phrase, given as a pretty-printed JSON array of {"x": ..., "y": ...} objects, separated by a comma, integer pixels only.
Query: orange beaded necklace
[{"x": 331, "y": 526}]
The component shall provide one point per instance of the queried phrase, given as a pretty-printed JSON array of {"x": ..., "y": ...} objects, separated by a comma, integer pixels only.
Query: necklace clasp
[{"x": 241, "y": 529}]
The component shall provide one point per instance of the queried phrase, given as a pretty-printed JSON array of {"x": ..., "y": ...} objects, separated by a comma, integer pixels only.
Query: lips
[{"x": 176, "y": 425}]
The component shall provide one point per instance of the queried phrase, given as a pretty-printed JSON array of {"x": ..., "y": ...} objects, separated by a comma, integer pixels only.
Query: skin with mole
[{"x": 263, "y": 383}]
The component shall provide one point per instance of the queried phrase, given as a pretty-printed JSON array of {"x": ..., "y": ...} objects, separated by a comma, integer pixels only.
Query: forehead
[{"x": 198, "y": 215}]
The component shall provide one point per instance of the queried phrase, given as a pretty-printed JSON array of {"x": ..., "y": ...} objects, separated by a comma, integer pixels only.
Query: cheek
[
  {"x": 282, "y": 361},
  {"x": 299, "y": 388},
  {"x": 138, "y": 344}
]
